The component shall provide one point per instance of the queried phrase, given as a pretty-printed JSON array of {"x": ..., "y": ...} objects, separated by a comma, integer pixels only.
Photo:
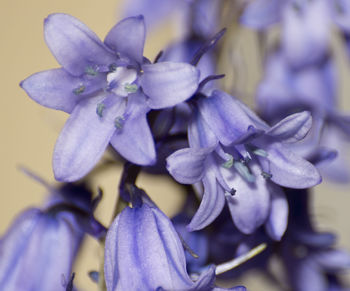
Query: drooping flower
[
  {"x": 144, "y": 252},
  {"x": 41, "y": 246},
  {"x": 239, "y": 158},
  {"x": 39, "y": 249},
  {"x": 108, "y": 88},
  {"x": 306, "y": 25},
  {"x": 284, "y": 90}
]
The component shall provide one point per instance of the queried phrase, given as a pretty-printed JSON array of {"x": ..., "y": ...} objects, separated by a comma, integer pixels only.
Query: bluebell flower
[
  {"x": 284, "y": 90},
  {"x": 143, "y": 252},
  {"x": 198, "y": 17},
  {"x": 306, "y": 25},
  {"x": 38, "y": 250},
  {"x": 108, "y": 88},
  {"x": 239, "y": 158}
]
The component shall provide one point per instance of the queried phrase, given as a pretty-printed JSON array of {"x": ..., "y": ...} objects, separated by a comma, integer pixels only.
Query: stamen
[
  {"x": 233, "y": 191},
  {"x": 100, "y": 108},
  {"x": 131, "y": 88},
  {"x": 222, "y": 268},
  {"x": 112, "y": 67},
  {"x": 119, "y": 122},
  {"x": 256, "y": 151},
  {"x": 244, "y": 171},
  {"x": 229, "y": 163},
  {"x": 79, "y": 90},
  {"x": 266, "y": 175},
  {"x": 91, "y": 71}
]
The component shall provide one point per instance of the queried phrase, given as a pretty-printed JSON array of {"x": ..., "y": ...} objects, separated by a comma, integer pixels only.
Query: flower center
[{"x": 121, "y": 81}]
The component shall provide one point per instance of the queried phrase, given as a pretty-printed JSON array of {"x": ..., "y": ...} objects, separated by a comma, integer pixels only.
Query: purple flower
[
  {"x": 198, "y": 17},
  {"x": 306, "y": 25},
  {"x": 108, "y": 88},
  {"x": 237, "y": 156},
  {"x": 38, "y": 250},
  {"x": 144, "y": 252},
  {"x": 284, "y": 90}
]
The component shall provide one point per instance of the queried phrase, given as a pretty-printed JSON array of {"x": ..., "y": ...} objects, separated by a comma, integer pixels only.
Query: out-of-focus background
[{"x": 29, "y": 131}]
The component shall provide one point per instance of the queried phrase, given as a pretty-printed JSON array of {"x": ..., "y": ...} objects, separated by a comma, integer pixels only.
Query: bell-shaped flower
[
  {"x": 306, "y": 25},
  {"x": 38, "y": 251},
  {"x": 108, "y": 88},
  {"x": 144, "y": 252},
  {"x": 312, "y": 88},
  {"x": 237, "y": 156},
  {"x": 199, "y": 17}
]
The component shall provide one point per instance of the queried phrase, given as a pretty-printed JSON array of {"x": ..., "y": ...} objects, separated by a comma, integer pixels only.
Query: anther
[
  {"x": 119, "y": 122},
  {"x": 79, "y": 90},
  {"x": 99, "y": 109},
  {"x": 244, "y": 171},
  {"x": 266, "y": 175},
  {"x": 91, "y": 71},
  {"x": 229, "y": 163},
  {"x": 131, "y": 88}
]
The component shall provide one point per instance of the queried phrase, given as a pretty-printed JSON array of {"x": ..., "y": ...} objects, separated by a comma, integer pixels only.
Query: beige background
[{"x": 29, "y": 131}]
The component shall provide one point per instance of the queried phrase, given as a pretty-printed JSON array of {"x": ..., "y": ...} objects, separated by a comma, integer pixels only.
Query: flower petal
[
  {"x": 288, "y": 169},
  {"x": 160, "y": 264},
  {"x": 128, "y": 37},
  {"x": 249, "y": 206},
  {"x": 228, "y": 118},
  {"x": 84, "y": 138},
  {"x": 292, "y": 128},
  {"x": 277, "y": 222},
  {"x": 74, "y": 45},
  {"x": 306, "y": 32},
  {"x": 187, "y": 165},
  {"x": 167, "y": 83},
  {"x": 51, "y": 242},
  {"x": 134, "y": 141},
  {"x": 333, "y": 260},
  {"x": 341, "y": 14},
  {"x": 259, "y": 14},
  {"x": 199, "y": 133},
  {"x": 55, "y": 88},
  {"x": 213, "y": 201}
]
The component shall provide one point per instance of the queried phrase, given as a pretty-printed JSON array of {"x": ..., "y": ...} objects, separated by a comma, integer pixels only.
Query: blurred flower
[
  {"x": 306, "y": 25},
  {"x": 285, "y": 90},
  {"x": 108, "y": 88}
]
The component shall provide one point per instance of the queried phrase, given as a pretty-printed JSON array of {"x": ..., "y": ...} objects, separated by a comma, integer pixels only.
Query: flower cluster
[{"x": 247, "y": 174}]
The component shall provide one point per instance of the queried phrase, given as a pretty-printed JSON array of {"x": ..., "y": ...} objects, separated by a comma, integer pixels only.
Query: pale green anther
[
  {"x": 229, "y": 163},
  {"x": 260, "y": 152},
  {"x": 79, "y": 90},
  {"x": 119, "y": 122},
  {"x": 100, "y": 108},
  {"x": 131, "y": 88},
  {"x": 266, "y": 175},
  {"x": 91, "y": 71},
  {"x": 244, "y": 171}
]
